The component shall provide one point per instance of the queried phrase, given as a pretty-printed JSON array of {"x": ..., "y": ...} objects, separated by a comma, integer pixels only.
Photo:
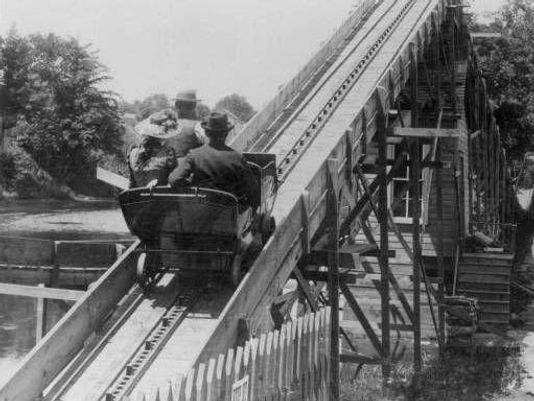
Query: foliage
[
  {"x": 54, "y": 104},
  {"x": 7, "y": 169},
  {"x": 507, "y": 65},
  {"x": 151, "y": 104},
  {"x": 237, "y": 105},
  {"x": 202, "y": 111},
  {"x": 157, "y": 102}
]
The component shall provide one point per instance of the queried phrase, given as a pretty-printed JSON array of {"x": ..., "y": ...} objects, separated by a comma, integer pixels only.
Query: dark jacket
[
  {"x": 220, "y": 168},
  {"x": 146, "y": 166},
  {"x": 188, "y": 137}
]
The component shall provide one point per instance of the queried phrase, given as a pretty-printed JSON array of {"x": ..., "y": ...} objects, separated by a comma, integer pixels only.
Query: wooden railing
[{"x": 292, "y": 363}]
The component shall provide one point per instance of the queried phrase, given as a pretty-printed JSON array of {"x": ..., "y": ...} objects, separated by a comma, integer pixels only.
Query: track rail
[
  {"x": 294, "y": 154},
  {"x": 132, "y": 371}
]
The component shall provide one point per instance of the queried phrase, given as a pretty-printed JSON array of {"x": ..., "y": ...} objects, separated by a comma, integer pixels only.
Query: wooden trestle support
[{"x": 446, "y": 215}]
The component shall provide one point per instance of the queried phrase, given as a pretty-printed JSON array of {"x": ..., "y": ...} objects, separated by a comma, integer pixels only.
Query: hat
[
  {"x": 163, "y": 130},
  {"x": 187, "y": 96},
  {"x": 217, "y": 122}
]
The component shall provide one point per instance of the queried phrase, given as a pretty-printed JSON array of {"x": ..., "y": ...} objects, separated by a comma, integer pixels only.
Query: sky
[{"x": 219, "y": 47}]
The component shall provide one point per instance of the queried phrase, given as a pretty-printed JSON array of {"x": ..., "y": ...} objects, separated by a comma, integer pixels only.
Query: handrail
[{"x": 60, "y": 345}]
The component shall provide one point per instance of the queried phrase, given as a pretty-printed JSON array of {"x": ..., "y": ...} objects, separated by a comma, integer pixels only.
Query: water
[
  {"x": 18, "y": 328},
  {"x": 63, "y": 220},
  {"x": 55, "y": 220}
]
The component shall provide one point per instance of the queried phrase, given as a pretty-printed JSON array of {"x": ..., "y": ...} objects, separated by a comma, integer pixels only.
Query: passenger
[
  {"x": 151, "y": 162},
  {"x": 190, "y": 134},
  {"x": 216, "y": 165}
]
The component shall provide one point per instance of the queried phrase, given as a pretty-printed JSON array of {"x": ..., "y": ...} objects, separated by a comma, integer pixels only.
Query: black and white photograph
[{"x": 252, "y": 200}]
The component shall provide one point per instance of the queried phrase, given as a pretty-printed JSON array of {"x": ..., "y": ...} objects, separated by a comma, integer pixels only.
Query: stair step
[
  {"x": 483, "y": 279},
  {"x": 485, "y": 269}
]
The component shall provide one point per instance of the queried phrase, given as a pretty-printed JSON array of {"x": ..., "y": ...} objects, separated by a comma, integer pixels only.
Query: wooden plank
[
  {"x": 40, "y": 292},
  {"x": 211, "y": 380},
  {"x": 485, "y": 35},
  {"x": 58, "y": 347},
  {"x": 381, "y": 213},
  {"x": 412, "y": 132},
  {"x": 354, "y": 357},
  {"x": 111, "y": 178},
  {"x": 281, "y": 363},
  {"x": 26, "y": 251},
  {"x": 200, "y": 383},
  {"x": 333, "y": 273},
  {"x": 305, "y": 287},
  {"x": 255, "y": 368}
]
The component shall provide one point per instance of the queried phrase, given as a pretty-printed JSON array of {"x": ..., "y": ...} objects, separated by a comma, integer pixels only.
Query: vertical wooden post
[
  {"x": 40, "y": 326},
  {"x": 384, "y": 237},
  {"x": 437, "y": 64},
  {"x": 452, "y": 19},
  {"x": 2, "y": 140},
  {"x": 441, "y": 265},
  {"x": 416, "y": 215},
  {"x": 333, "y": 277}
]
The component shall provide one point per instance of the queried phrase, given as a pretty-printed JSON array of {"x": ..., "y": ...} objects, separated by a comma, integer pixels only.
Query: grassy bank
[{"x": 487, "y": 375}]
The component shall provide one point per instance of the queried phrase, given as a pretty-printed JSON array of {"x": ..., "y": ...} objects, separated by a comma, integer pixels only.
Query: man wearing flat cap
[{"x": 216, "y": 165}]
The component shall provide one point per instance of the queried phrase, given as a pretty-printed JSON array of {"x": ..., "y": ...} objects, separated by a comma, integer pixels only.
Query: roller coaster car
[{"x": 199, "y": 228}]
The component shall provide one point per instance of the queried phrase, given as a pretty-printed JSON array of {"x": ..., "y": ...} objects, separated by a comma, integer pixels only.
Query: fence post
[
  {"x": 211, "y": 380},
  {"x": 40, "y": 326}
]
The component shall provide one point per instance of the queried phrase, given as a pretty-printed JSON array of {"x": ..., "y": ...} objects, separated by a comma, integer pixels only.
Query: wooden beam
[
  {"x": 319, "y": 255},
  {"x": 332, "y": 219},
  {"x": 364, "y": 200},
  {"x": 426, "y": 132},
  {"x": 361, "y": 318},
  {"x": 416, "y": 213},
  {"x": 354, "y": 357},
  {"x": 61, "y": 344},
  {"x": 111, "y": 178},
  {"x": 40, "y": 292},
  {"x": 485, "y": 35},
  {"x": 305, "y": 287},
  {"x": 381, "y": 213},
  {"x": 392, "y": 279}
]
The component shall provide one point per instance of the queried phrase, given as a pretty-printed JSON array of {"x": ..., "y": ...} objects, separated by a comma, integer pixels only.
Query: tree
[
  {"x": 151, "y": 104},
  {"x": 54, "y": 104},
  {"x": 238, "y": 105},
  {"x": 507, "y": 65},
  {"x": 202, "y": 111}
]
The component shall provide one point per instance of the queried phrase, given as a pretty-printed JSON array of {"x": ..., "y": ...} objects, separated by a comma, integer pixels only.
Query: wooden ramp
[{"x": 486, "y": 277}]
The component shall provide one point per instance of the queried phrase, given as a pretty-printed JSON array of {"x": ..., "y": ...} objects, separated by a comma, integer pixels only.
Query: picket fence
[{"x": 292, "y": 363}]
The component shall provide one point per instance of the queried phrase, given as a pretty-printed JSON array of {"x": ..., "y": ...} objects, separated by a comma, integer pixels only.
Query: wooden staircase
[{"x": 486, "y": 277}]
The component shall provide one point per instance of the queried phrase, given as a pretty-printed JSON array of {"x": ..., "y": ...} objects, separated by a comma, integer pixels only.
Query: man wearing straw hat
[
  {"x": 216, "y": 165},
  {"x": 151, "y": 162}
]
